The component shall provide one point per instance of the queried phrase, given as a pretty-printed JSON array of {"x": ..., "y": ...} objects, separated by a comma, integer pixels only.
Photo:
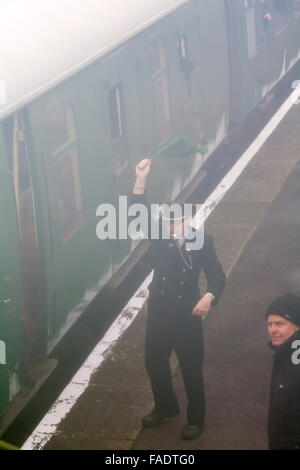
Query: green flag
[{"x": 178, "y": 148}]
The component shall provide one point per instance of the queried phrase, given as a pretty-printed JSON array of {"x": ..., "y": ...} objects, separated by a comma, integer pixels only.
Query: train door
[
  {"x": 11, "y": 340},
  {"x": 27, "y": 231},
  {"x": 116, "y": 78},
  {"x": 56, "y": 144}
]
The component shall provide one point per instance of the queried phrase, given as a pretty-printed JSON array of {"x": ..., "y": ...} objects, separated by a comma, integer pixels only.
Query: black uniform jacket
[
  {"x": 174, "y": 289},
  {"x": 284, "y": 408}
]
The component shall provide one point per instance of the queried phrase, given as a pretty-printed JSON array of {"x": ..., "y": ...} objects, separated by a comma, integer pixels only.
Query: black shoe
[
  {"x": 191, "y": 431},
  {"x": 152, "y": 420}
]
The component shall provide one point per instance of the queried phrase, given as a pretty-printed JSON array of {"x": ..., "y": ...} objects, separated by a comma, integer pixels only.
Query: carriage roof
[{"x": 43, "y": 42}]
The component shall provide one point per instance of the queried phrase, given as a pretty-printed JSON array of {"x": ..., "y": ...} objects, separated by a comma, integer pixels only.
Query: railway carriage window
[
  {"x": 68, "y": 193},
  {"x": 117, "y": 128},
  {"x": 296, "y": 8},
  {"x": 24, "y": 190},
  {"x": 157, "y": 55},
  {"x": 17, "y": 152},
  {"x": 115, "y": 112},
  {"x": 251, "y": 29},
  {"x": 160, "y": 89},
  {"x": 281, "y": 15},
  {"x": 61, "y": 126},
  {"x": 162, "y": 107},
  {"x": 61, "y": 132},
  {"x": 23, "y": 182},
  {"x": 186, "y": 67}
]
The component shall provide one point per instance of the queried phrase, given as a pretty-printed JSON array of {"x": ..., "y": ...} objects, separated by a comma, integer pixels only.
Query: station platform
[{"x": 256, "y": 229}]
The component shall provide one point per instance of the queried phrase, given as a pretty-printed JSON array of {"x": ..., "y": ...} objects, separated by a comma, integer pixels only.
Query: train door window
[
  {"x": 160, "y": 89},
  {"x": 281, "y": 15},
  {"x": 162, "y": 109},
  {"x": 117, "y": 128},
  {"x": 62, "y": 137},
  {"x": 61, "y": 126},
  {"x": 17, "y": 152},
  {"x": 251, "y": 29},
  {"x": 157, "y": 55},
  {"x": 115, "y": 112},
  {"x": 186, "y": 67},
  {"x": 23, "y": 185},
  {"x": 68, "y": 192},
  {"x": 296, "y": 8}
]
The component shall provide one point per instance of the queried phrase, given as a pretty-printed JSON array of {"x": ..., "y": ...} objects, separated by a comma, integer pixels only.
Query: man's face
[{"x": 280, "y": 329}]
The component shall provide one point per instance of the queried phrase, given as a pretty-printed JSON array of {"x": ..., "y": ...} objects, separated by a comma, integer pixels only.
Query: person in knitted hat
[{"x": 283, "y": 321}]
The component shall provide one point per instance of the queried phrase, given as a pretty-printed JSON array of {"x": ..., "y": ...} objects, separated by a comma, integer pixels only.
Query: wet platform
[{"x": 256, "y": 228}]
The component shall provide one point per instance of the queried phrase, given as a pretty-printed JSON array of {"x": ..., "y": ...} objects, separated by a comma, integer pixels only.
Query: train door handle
[
  {"x": 7, "y": 306},
  {"x": 10, "y": 302}
]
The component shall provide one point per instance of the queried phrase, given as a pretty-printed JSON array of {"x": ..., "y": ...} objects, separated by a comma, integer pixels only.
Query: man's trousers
[{"x": 184, "y": 335}]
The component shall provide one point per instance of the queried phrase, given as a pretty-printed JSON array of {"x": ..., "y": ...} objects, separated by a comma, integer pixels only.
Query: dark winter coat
[{"x": 284, "y": 408}]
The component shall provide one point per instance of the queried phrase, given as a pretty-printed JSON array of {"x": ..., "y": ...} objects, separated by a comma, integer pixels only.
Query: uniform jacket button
[
  {"x": 162, "y": 292},
  {"x": 180, "y": 297},
  {"x": 181, "y": 283},
  {"x": 164, "y": 278},
  {"x": 183, "y": 270}
]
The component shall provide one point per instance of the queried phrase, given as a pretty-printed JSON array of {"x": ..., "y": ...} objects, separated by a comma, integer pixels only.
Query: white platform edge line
[{"x": 79, "y": 383}]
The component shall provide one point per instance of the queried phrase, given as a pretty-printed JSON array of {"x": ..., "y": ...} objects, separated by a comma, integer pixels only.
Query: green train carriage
[{"x": 90, "y": 91}]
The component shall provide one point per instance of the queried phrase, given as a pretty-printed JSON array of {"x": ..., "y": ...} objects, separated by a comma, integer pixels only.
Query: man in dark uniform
[
  {"x": 283, "y": 320},
  {"x": 175, "y": 312}
]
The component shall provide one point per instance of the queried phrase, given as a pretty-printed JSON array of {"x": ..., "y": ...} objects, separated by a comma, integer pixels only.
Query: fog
[{"x": 42, "y": 42}]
